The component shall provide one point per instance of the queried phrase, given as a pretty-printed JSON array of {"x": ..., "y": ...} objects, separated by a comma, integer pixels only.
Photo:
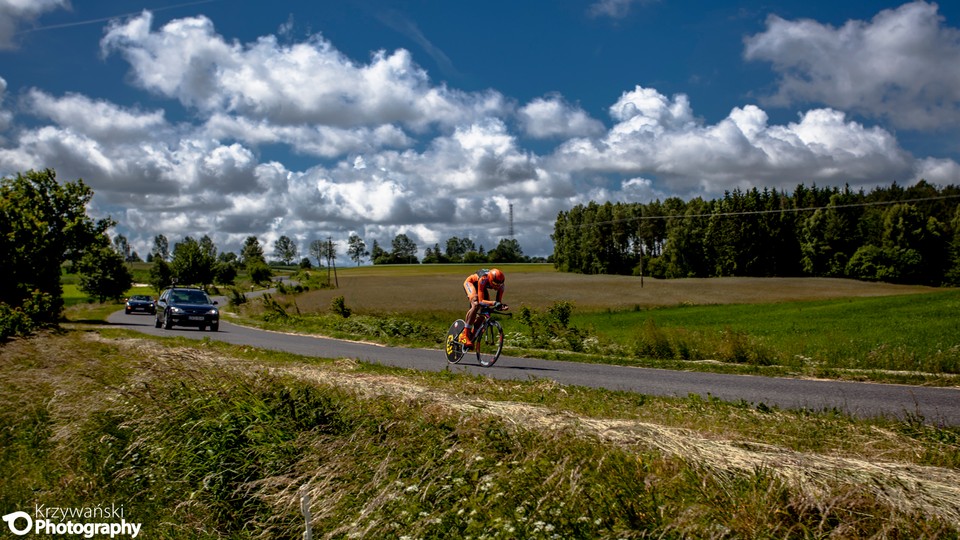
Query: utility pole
[{"x": 640, "y": 239}]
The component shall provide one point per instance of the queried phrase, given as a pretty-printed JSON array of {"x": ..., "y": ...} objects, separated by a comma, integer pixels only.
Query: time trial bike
[{"x": 487, "y": 338}]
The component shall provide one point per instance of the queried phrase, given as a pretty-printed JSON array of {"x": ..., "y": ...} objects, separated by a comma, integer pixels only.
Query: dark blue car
[
  {"x": 187, "y": 306},
  {"x": 139, "y": 302}
]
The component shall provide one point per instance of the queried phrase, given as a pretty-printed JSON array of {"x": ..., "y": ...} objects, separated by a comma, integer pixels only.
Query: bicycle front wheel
[{"x": 489, "y": 344}]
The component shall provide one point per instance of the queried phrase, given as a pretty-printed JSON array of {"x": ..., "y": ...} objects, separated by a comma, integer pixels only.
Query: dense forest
[{"x": 895, "y": 234}]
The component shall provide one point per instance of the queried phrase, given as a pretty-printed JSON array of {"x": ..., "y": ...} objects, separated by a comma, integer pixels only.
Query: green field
[{"x": 918, "y": 332}]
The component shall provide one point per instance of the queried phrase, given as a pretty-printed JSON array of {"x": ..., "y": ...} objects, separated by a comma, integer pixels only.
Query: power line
[{"x": 111, "y": 18}]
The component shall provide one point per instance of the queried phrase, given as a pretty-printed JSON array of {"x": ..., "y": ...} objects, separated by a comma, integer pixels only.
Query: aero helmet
[{"x": 496, "y": 276}]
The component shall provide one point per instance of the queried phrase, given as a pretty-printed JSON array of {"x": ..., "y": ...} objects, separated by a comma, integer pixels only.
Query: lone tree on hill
[
  {"x": 285, "y": 250},
  {"x": 357, "y": 249}
]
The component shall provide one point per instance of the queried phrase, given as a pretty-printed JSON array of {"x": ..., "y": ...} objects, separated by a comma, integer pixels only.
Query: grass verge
[{"x": 212, "y": 441}]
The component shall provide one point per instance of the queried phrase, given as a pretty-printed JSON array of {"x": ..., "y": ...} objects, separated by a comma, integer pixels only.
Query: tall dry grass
[{"x": 214, "y": 441}]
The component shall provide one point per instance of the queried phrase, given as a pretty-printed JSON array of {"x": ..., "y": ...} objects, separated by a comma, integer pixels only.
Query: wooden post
[{"x": 305, "y": 509}]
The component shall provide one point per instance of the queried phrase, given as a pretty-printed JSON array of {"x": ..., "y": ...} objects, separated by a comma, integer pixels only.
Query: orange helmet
[{"x": 496, "y": 276}]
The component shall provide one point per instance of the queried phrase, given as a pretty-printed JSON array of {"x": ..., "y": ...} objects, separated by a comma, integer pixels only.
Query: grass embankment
[
  {"x": 789, "y": 327},
  {"x": 216, "y": 441}
]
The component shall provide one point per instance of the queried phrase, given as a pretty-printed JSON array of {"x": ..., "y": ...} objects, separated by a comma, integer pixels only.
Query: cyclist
[{"x": 476, "y": 286}]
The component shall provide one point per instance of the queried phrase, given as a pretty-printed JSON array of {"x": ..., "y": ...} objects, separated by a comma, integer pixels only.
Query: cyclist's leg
[
  {"x": 474, "y": 300},
  {"x": 471, "y": 316}
]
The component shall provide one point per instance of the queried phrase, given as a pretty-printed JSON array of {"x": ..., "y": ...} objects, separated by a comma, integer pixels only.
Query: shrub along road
[{"x": 939, "y": 406}]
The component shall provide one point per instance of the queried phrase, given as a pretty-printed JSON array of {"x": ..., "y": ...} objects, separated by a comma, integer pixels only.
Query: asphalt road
[{"x": 939, "y": 406}]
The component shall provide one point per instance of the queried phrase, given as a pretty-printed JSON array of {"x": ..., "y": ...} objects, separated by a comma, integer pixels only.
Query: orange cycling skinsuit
[{"x": 476, "y": 286}]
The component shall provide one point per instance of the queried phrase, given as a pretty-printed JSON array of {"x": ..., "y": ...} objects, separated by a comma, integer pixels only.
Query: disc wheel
[
  {"x": 453, "y": 348},
  {"x": 489, "y": 344}
]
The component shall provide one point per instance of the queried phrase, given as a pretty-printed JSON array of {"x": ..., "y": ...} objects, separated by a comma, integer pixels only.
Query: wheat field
[{"x": 419, "y": 288}]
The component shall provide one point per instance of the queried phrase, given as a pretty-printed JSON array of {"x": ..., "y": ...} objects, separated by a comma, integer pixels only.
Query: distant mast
[{"x": 511, "y": 221}]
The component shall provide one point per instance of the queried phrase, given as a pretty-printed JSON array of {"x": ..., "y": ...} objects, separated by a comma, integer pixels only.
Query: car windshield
[
  {"x": 190, "y": 297},
  {"x": 141, "y": 297}
]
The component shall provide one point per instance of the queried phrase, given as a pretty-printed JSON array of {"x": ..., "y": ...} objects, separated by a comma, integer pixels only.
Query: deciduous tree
[
  {"x": 103, "y": 272},
  {"x": 285, "y": 250},
  {"x": 43, "y": 223},
  {"x": 192, "y": 264},
  {"x": 357, "y": 249},
  {"x": 404, "y": 250},
  {"x": 161, "y": 247}
]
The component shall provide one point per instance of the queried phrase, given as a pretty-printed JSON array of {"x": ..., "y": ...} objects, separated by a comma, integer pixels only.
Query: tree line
[
  {"x": 455, "y": 250},
  {"x": 197, "y": 261},
  {"x": 893, "y": 234}
]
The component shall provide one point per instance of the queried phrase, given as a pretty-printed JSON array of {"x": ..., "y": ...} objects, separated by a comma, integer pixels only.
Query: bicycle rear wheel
[
  {"x": 453, "y": 349},
  {"x": 489, "y": 344}
]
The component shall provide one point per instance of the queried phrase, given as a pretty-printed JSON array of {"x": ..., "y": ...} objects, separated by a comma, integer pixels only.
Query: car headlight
[
  {"x": 213, "y": 312},
  {"x": 175, "y": 309}
]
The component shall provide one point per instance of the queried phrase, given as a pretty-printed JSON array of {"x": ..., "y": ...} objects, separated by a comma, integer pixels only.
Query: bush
[
  {"x": 14, "y": 322},
  {"x": 550, "y": 329},
  {"x": 339, "y": 306},
  {"x": 237, "y": 297},
  {"x": 652, "y": 342},
  {"x": 22, "y": 321},
  {"x": 273, "y": 310},
  {"x": 259, "y": 272},
  {"x": 736, "y": 346}
]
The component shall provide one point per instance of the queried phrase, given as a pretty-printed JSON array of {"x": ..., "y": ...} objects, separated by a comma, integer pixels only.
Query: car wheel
[
  {"x": 156, "y": 322},
  {"x": 215, "y": 327},
  {"x": 127, "y": 311},
  {"x": 167, "y": 323}
]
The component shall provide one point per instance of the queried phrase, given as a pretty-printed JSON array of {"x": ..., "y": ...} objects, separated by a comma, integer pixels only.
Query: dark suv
[{"x": 187, "y": 306}]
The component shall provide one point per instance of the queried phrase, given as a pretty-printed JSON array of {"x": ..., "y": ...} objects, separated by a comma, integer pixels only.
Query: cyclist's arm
[
  {"x": 482, "y": 294},
  {"x": 470, "y": 286}
]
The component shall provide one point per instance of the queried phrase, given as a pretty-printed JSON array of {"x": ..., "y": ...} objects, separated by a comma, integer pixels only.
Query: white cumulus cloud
[
  {"x": 901, "y": 66},
  {"x": 307, "y": 82},
  {"x": 15, "y": 14},
  {"x": 659, "y": 137},
  {"x": 551, "y": 117}
]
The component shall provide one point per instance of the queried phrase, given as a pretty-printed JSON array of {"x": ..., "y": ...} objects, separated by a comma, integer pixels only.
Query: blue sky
[{"x": 430, "y": 118}]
